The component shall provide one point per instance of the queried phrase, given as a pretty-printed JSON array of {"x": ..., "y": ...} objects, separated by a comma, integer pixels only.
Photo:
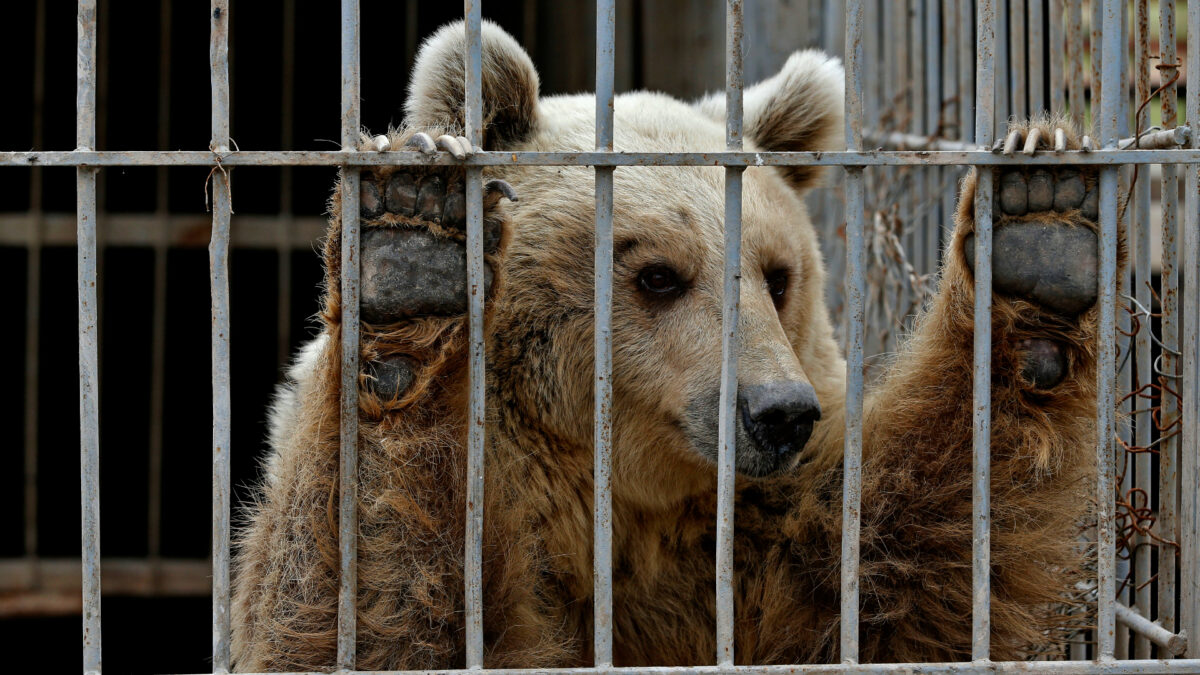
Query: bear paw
[
  {"x": 413, "y": 263},
  {"x": 1045, "y": 247}
]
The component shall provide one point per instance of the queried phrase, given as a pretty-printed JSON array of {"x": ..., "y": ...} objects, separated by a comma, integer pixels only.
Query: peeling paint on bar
[
  {"x": 1138, "y": 229},
  {"x": 473, "y": 572},
  {"x": 1108, "y": 127},
  {"x": 1169, "y": 452},
  {"x": 347, "y": 619},
  {"x": 218, "y": 262},
  {"x": 985, "y": 96},
  {"x": 1189, "y": 513},
  {"x": 730, "y": 310},
  {"x": 1174, "y": 643},
  {"x": 89, "y": 384},
  {"x": 602, "y": 515},
  {"x": 855, "y": 294}
]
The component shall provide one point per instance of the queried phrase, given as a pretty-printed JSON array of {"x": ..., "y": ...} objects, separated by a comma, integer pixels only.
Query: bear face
[{"x": 668, "y": 268}]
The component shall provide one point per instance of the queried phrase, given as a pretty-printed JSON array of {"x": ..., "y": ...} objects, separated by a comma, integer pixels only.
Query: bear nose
[{"x": 779, "y": 416}]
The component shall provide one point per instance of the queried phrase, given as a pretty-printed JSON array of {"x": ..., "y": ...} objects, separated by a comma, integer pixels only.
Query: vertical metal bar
[
  {"x": 1097, "y": 60},
  {"x": 158, "y": 348},
  {"x": 933, "y": 115},
  {"x": 1169, "y": 450},
  {"x": 1037, "y": 56},
  {"x": 985, "y": 96},
  {"x": 1139, "y": 225},
  {"x": 89, "y": 408},
  {"x": 966, "y": 74},
  {"x": 1121, "y": 459},
  {"x": 730, "y": 310},
  {"x": 1074, "y": 12},
  {"x": 475, "y": 415},
  {"x": 33, "y": 299},
  {"x": 218, "y": 261},
  {"x": 349, "y": 285},
  {"x": 1097, "y": 21},
  {"x": 950, "y": 116},
  {"x": 1189, "y": 562},
  {"x": 1017, "y": 58},
  {"x": 1110, "y": 110},
  {"x": 1002, "y": 109},
  {"x": 602, "y": 515},
  {"x": 916, "y": 224},
  {"x": 1058, "y": 103},
  {"x": 856, "y": 290}
]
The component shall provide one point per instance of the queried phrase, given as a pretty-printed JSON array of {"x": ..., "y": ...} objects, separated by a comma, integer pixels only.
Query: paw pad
[{"x": 1043, "y": 363}]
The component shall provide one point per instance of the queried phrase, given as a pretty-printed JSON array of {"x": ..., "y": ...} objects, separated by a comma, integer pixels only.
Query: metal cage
[{"x": 974, "y": 148}]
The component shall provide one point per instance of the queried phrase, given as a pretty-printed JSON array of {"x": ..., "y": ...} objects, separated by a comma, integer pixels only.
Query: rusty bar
[
  {"x": 476, "y": 420},
  {"x": 855, "y": 294},
  {"x": 1109, "y": 128},
  {"x": 1074, "y": 69},
  {"x": 347, "y": 619},
  {"x": 1138, "y": 225},
  {"x": 602, "y": 516},
  {"x": 218, "y": 261},
  {"x": 1173, "y": 643},
  {"x": 1189, "y": 539},
  {"x": 730, "y": 310},
  {"x": 89, "y": 407},
  {"x": 1169, "y": 450},
  {"x": 985, "y": 94}
]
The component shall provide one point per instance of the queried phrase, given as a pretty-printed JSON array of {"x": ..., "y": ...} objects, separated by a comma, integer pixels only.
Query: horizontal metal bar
[
  {"x": 1174, "y": 643},
  {"x": 1179, "y": 666},
  {"x": 744, "y": 159},
  {"x": 1162, "y": 139},
  {"x": 144, "y": 230}
]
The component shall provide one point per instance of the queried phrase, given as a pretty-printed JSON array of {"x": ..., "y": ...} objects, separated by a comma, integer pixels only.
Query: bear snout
[{"x": 779, "y": 416}]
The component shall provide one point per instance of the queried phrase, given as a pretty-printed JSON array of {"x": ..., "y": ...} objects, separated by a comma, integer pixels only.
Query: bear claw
[{"x": 390, "y": 377}]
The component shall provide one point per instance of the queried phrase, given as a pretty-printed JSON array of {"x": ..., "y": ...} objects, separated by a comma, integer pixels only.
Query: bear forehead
[{"x": 679, "y": 199}]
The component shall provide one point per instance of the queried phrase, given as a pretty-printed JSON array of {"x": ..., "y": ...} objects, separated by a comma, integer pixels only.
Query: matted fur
[{"x": 916, "y": 501}]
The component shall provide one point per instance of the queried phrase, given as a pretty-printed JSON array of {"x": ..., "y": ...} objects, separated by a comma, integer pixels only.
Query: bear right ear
[{"x": 436, "y": 91}]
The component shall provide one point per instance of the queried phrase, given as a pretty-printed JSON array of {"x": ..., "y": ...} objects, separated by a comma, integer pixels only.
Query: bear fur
[{"x": 915, "y": 575}]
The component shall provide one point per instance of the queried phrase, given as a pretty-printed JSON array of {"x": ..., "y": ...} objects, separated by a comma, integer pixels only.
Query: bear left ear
[
  {"x": 800, "y": 108},
  {"x": 436, "y": 90}
]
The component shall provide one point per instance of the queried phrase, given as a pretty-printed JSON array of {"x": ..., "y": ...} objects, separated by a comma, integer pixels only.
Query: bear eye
[
  {"x": 777, "y": 285},
  {"x": 660, "y": 282}
]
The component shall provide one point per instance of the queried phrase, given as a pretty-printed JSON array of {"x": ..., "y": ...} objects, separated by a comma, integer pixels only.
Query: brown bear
[{"x": 668, "y": 254}]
